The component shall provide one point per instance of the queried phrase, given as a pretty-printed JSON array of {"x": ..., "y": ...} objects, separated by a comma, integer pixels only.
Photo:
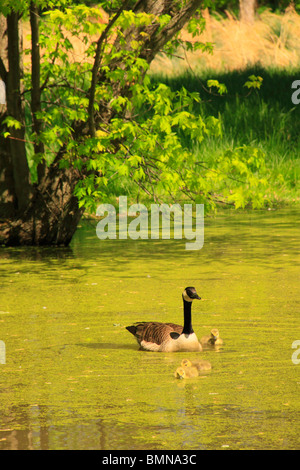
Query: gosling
[
  {"x": 186, "y": 372},
  {"x": 201, "y": 366},
  {"x": 213, "y": 339}
]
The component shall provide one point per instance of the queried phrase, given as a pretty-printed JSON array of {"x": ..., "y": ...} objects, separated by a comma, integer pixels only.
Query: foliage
[
  {"x": 220, "y": 86},
  {"x": 264, "y": 119},
  {"x": 253, "y": 82},
  {"x": 145, "y": 143}
]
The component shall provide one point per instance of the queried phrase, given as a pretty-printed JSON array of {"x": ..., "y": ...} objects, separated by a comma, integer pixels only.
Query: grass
[
  {"x": 266, "y": 119},
  {"x": 272, "y": 41}
]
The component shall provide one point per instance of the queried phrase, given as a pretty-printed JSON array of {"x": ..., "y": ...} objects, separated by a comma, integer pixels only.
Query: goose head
[{"x": 189, "y": 294}]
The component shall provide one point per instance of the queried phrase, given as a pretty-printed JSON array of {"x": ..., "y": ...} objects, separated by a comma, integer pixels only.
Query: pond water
[{"x": 74, "y": 377}]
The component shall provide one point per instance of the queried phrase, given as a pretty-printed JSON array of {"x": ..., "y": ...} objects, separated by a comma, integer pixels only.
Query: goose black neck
[{"x": 187, "y": 311}]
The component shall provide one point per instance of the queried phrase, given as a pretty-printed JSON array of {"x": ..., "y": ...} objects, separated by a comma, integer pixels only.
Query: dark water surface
[{"x": 74, "y": 378}]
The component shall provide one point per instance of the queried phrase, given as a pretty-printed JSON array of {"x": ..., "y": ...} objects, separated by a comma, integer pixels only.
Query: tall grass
[
  {"x": 272, "y": 41},
  {"x": 266, "y": 119}
]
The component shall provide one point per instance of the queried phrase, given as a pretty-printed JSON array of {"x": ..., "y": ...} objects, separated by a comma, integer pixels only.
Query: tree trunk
[
  {"x": 247, "y": 10},
  {"x": 52, "y": 216},
  {"x": 35, "y": 88},
  {"x": 47, "y": 213},
  {"x": 8, "y": 199},
  {"x": 15, "y": 109}
]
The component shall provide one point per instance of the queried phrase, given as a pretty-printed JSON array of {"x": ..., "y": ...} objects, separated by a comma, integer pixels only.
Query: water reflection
[{"x": 36, "y": 431}]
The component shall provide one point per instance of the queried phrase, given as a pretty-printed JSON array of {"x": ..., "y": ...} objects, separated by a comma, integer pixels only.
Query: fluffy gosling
[{"x": 213, "y": 339}]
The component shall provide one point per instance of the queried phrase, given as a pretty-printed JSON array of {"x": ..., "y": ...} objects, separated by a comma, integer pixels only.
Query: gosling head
[
  {"x": 186, "y": 372},
  {"x": 186, "y": 363},
  {"x": 215, "y": 334},
  {"x": 180, "y": 373},
  {"x": 189, "y": 294}
]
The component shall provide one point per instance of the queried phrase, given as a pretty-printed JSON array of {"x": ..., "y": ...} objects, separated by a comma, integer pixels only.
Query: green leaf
[
  {"x": 12, "y": 122},
  {"x": 254, "y": 82},
  {"x": 220, "y": 86}
]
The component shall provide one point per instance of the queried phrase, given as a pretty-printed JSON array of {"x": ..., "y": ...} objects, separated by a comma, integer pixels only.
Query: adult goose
[{"x": 169, "y": 337}]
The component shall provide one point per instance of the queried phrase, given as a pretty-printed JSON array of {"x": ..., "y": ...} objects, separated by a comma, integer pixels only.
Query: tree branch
[
  {"x": 178, "y": 20},
  {"x": 96, "y": 67},
  {"x": 35, "y": 82}
]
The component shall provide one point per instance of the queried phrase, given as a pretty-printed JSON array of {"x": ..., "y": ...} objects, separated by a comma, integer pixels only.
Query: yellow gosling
[
  {"x": 186, "y": 372},
  {"x": 213, "y": 339},
  {"x": 200, "y": 365}
]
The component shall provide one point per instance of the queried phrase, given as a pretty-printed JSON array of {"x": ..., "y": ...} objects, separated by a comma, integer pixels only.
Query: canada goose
[
  {"x": 200, "y": 365},
  {"x": 186, "y": 372},
  {"x": 213, "y": 339},
  {"x": 169, "y": 337}
]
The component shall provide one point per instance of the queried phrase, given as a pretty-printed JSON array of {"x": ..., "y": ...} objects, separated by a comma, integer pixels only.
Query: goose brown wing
[
  {"x": 153, "y": 332},
  {"x": 175, "y": 327},
  {"x": 157, "y": 332}
]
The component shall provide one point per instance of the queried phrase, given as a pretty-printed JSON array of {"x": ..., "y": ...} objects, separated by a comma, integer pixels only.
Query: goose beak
[{"x": 197, "y": 297}]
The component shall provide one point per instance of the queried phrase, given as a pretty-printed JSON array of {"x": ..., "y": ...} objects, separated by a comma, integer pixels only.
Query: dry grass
[
  {"x": 273, "y": 41},
  {"x": 78, "y": 54}
]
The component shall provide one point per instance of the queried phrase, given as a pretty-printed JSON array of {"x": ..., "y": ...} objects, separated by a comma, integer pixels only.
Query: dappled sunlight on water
[{"x": 75, "y": 379}]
